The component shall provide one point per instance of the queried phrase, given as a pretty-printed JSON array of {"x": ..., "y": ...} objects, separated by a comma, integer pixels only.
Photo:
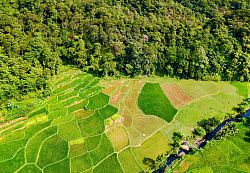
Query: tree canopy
[{"x": 198, "y": 39}]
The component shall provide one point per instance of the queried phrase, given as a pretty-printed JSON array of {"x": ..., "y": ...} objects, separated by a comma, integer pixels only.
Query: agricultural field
[
  {"x": 109, "y": 125},
  {"x": 229, "y": 155}
]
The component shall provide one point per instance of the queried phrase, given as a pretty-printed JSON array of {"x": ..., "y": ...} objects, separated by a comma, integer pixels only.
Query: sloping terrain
[{"x": 88, "y": 125}]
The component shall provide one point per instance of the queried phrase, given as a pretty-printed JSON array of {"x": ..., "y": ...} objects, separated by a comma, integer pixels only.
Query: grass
[
  {"x": 241, "y": 88},
  {"x": 92, "y": 142},
  {"x": 78, "y": 106},
  {"x": 153, "y": 101},
  {"x": 53, "y": 149}
]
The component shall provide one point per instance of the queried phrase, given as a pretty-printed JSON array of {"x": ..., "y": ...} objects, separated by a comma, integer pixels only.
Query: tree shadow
[
  {"x": 247, "y": 138},
  {"x": 149, "y": 162}
]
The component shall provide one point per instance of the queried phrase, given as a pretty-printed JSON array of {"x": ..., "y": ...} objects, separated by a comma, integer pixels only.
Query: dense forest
[{"x": 198, "y": 39}]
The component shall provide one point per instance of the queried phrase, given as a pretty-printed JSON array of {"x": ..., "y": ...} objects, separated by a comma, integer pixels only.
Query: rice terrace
[{"x": 111, "y": 125}]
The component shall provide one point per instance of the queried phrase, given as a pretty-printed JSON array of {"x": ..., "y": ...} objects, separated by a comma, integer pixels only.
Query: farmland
[
  {"x": 110, "y": 125},
  {"x": 230, "y": 155}
]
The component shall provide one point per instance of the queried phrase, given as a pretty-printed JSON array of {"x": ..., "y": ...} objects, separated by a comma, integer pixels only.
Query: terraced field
[{"x": 88, "y": 125}]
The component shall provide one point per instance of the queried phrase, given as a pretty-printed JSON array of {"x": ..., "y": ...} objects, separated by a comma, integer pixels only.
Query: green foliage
[
  {"x": 40, "y": 111},
  {"x": 209, "y": 124},
  {"x": 153, "y": 101},
  {"x": 183, "y": 38}
]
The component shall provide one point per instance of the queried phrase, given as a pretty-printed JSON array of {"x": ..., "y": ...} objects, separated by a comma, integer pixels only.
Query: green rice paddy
[{"x": 153, "y": 101}]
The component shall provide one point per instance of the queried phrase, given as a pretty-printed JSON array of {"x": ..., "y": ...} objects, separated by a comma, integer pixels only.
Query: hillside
[
  {"x": 101, "y": 125},
  {"x": 206, "y": 40}
]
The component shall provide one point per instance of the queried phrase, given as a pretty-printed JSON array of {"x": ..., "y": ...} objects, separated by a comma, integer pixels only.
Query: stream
[{"x": 207, "y": 137}]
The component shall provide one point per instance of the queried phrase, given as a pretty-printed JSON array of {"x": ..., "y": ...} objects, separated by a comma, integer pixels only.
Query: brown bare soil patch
[
  {"x": 112, "y": 87},
  {"x": 117, "y": 97},
  {"x": 176, "y": 95}
]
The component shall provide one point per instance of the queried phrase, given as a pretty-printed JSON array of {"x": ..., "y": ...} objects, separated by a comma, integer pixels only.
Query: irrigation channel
[{"x": 207, "y": 137}]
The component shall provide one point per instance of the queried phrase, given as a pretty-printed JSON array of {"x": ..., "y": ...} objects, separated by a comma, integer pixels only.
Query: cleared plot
[
  {"x": 33, "y": 146},
  {"x": 31, "y": 168},
  {"x": 176, "y": 95},
  {"x": 107, "y": 111},
  {"x": 81, "y": 163},
  {"x": 103, "y": 150},
  {"x": 151, "y": 149},
  {"x": 98, "y": 101},
  {"x": 53, "y": 149},
  {"x": 69, "y": 130},
  {"x": 241, "y": 88},
  {"x": 59, "y": 167},
  {"x": 132, "y": 97},
  {"x": 110, "y": 165},
  {"x": 91, "y": 126},
  {"x": 113, "y": 86},
  {"x": 128, "y": 162},
  {"x": 119, "y": 95},
  {"x": 118, "y": 137},
  {"x": 152, "y": 101},
  {"x": 135, "y": 138},
  {"x": 197, "y": 89},
  {"x": 8, "y": 150},
  {"x": 12, "y": 165},
  {"x": 147, "y": 125}
]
